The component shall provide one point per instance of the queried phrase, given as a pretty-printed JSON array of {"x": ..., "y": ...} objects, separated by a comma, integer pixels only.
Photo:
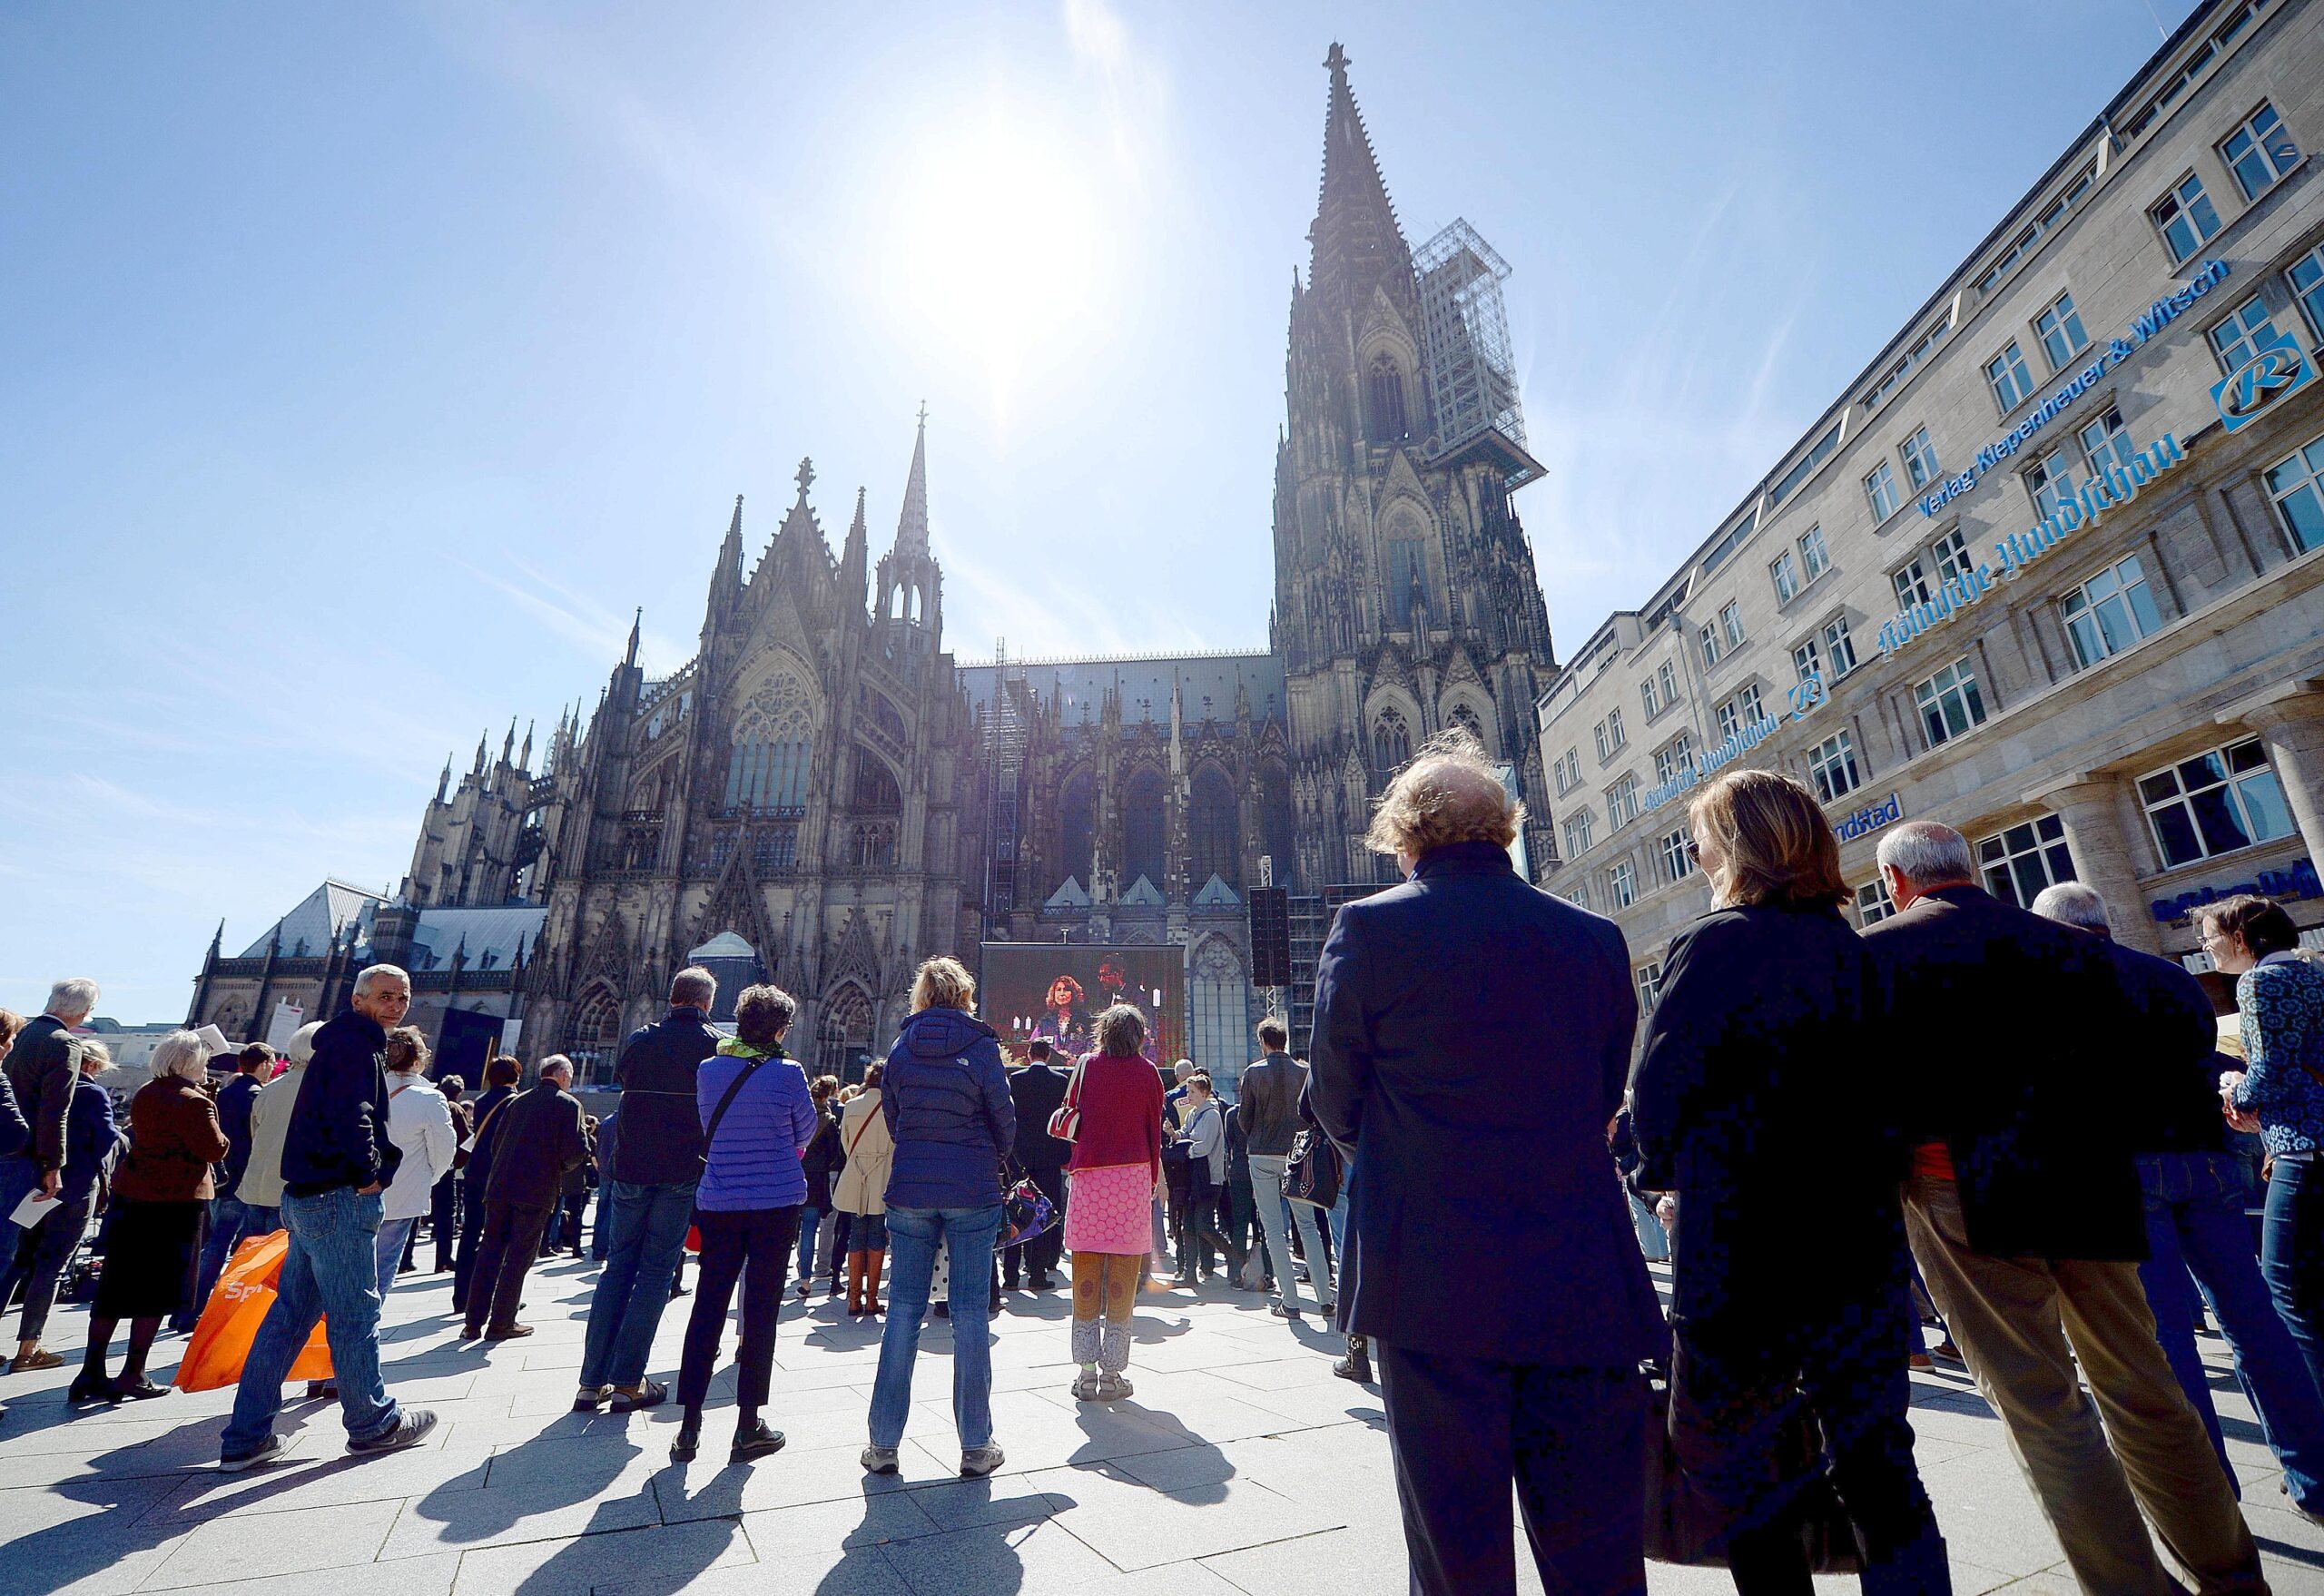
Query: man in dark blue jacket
[
  {"x": 648, "y": 1194},
  {"x": 90, "y": 1139},
  {"x": 1471, "y": 1038},
  {"x": 1036, "y": 1091},
  {"x": 336, "y": 1160}
]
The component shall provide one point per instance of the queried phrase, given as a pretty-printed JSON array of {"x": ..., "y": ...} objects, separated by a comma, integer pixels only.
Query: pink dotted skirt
[{"x": 1109, "y": 1210}]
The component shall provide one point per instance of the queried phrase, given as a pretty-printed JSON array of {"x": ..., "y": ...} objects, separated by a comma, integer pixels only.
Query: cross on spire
[{"x": 805, "y": 475}]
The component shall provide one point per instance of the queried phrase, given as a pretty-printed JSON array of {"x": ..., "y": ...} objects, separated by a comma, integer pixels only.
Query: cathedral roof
[
  {"x": 1078, "y": 687},
  {"x": 322, "y": 915},
  {"x": 494, "y": 936}
]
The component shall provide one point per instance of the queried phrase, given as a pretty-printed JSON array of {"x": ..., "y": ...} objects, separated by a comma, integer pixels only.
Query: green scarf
[{"x": 735, "y": 1047}]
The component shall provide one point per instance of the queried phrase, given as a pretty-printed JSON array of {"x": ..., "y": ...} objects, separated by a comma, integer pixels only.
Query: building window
[
  {"x": 1622, "y": 884},
  {"x": 1144, "y": 830},
  {"x": 1668, "y": 678},
  {"x": 1605, "y": 748},
  {"x": 1731, "y": 623},
  {"x": 1873, "y": 903},
  {"x": 1567, "y": 770},
  {"x": 1748, "y": 703},
  {"x": 1649, "y": 986},
  {"x": 2297, "y": 486},
  {"x": 875, "y": 790},
  {"x": 1950, "y": 703},
  {"x": 2107, "y": 442},
  {"x": 1578, "y": 827},
  {"x": 2109, "y": 611},
  {"x": 873, "y": 845},
  {"x": 1951, "y": 554},
  {"x": 1406, "y": 590},
  {"x": 2049, "y": 483},
  {"x": 1838, "y": 646},
  {"x": 1708, "y": 638},
  {"x": 2022, "y": 860},
  {"x": 843, "y": 1036},
  {"x": 1911, "y": 583},
  {"x": 2235, "y": 338},
  {"x": 1678, "y": 855},
  {"x": 1622, "y": 803},
  {"x": 1920, "y": 459},
  {"x": 1832, "y": 765},
  {"x": 1674, "y": 760},
  {"x": 1077, "y": 831},
  {"x": 1785, "y": 575},
  {"x": 1651, "y": 696},
  {"x": 2060, "y": 327},
  {"x": 2307, "y": 280},
  {"x": 2215, "y": 803},
  {"x": 2185, "y": 218},
  {"x": 1814, "y": 559},
  {"x": 1729, "y": 720},
  {"x": 774, "y": 850},
  {"x": 1391, "y": 743},
  {"x": 2260, "y": 151},
  {"x": 768, "y": 775},
  {"x": 2013, "y": 384},
  {"x": 1807, "y": 661},
  {"x": 1614, "y": 729},
  {"x": 1214, "y": 830},
  {"x": 1880, "y": 492},
  {"x": 1580, "y": 896},
  {"x": 1384, "y": 401}
]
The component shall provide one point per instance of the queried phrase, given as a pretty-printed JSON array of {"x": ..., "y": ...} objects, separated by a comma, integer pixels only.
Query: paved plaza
[{"x": 1240, "y": 1465}]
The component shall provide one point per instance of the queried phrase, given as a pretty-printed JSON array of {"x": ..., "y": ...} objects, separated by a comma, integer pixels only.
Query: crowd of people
[{"x": 2042, "y": 1149}]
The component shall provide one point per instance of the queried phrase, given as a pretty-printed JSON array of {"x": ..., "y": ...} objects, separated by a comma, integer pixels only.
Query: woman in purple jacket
[{"x": 758, "y": 1119}]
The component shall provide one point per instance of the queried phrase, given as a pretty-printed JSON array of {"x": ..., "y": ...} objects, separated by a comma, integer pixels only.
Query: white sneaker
[
  {"x": 879, "y": 1460},
  {"x": 978, "y": 1461}
]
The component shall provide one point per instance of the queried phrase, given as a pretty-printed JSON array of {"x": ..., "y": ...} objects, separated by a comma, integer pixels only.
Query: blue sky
[{"x": 363, "y": 367}]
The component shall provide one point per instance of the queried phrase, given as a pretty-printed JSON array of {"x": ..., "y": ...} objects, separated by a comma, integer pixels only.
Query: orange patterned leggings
[{"x": 1106, "y": 1283}]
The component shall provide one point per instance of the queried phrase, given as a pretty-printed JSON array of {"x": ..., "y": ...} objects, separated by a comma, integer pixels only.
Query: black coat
[
  {"x": 1038, "y": 1089},
  {"x": 2178, "y": 1039},
  {"x": 821, "y": 1161},
  {"x": 1471, "y": 1038},
  {"x": 2011, "y": 1030},
  {"x": 661, "y": 1124},
  {"x": 338, "y": 1134},
  {"x": 538, "y": 1138},
  {"x": 42, "y": 1068},
  {"x": 1746, "y": 1102}
]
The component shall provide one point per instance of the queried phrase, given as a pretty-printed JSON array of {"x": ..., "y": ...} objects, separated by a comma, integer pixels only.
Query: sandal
[
  {"x": 628, "y": 1399},
  {"x": 40, "y": 1357}
]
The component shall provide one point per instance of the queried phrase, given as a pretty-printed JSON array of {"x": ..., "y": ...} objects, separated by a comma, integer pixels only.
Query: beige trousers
[{"x": 2021, "y": 1323}]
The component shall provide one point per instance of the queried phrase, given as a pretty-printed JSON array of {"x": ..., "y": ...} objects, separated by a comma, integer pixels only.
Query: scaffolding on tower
[
  {"x": 1004, "y": 757},
  {"x": 1471, "y": 368}
]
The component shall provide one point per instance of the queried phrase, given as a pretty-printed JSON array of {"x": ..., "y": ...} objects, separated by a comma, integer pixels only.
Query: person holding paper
[
  {"x": 90, "y": 1138},
  {"x": 41, "y": 1067}
]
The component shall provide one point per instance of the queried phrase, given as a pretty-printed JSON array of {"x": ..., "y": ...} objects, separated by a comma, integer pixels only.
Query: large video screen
[{"x": 1057, "y": 990}]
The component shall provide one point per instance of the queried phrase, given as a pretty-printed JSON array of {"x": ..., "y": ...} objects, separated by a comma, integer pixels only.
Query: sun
[{"x": 996, "y": 241}]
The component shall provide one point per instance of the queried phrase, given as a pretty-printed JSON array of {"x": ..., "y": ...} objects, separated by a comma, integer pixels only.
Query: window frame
[
  {"x": 2308, "y": 457},
  {"x": 1815, "y": 555},
  {"x": 1730, "y": 625},
  {"x": 1963, "y": 670},
  {"x": 2259, "y": 148},
  {"x": 2231, "y": 783},
  {"x": 2015, "y": 373},
  {"x": 1873, "y": 903},
  {"x": 1880, "y": 492},
  {"x": 1785, "y": 575},
  {"x": 1835, "y": 757},
  {"x": 1950, "y": 552},
  {"x": 2089, "y": 621},
  {"x": 1839, "y": 649},
  {"x": 1807, "y": 659},
  {"x": 1912, "y": 589},
  {"x": 2193, "y": 208},
  {"x": 1997, "y": 859},
  {"x": 2244, "y": 334},
  {"x": 1921, "y": 466},
  {"x": 1622, "y": 884},
  {"x": 1706, "y": 641},
  {"x": 1678, "y": 855},
  {"x": 2309, "y": 299},
  {"x": 2068, "y": 332},
  {"x": 2115, "y": 452}
]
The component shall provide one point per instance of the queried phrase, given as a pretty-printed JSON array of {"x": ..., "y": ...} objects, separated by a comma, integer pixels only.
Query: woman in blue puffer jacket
[{"x": 946, "y": 1101}]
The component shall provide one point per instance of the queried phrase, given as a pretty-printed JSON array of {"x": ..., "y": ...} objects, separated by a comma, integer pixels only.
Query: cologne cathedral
[{"x": 824, "y": 795}]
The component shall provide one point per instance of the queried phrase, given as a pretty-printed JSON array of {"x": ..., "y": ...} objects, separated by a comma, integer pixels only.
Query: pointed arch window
[
  {"x": 1383, "y": 402},
  {"x": 1407, "y": 583},
  {"x": 1214, "y": 830},
  {"x": 843, "y": 1036},
  {"x": 593, "y": 1034},
  {"x": 875, "y": 790},
  {"x": 1143, "y": 831},
  {"x": 773, "y": 749},
  {"x": 1278, "y": 823},
  {"x": 1076, "y": 829},
  {"x": 1391, "y": 743},
  {"x": 1466, "y": 719}
]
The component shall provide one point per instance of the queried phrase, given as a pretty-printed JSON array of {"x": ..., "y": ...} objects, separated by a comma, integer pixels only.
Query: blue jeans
[
  {"x": 810, "y": 1221},
  {"x": 2194, "y": 1222},
  {"x": 228, "y": 1223},
  {"x": 387, "y": 1251},
  {"x": 913, "y": 1235},
  {"x": 2291, "y": 1252},
  {"x": 649, "y": 1231},
  {"x": 329, "y": 1274}
]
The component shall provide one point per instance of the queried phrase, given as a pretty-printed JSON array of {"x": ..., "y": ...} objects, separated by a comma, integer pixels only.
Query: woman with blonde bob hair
[
  {"x": 945, "y": 1099},
  {"x": 1789, "y": 1282}
]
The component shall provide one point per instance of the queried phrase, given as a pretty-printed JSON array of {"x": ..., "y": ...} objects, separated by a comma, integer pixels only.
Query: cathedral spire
[
  {"x": 525, "y": 758},
  {"x": 508, "y": 743},
  {"x": 481, "y": 739},
  {"x": 444, "y": 780},
  {"x": 855, "y": 560},
  {"x": 630, "y": 658},
  {"x": 1354, "y": 239},
  {"x": 911, "y": 526}
]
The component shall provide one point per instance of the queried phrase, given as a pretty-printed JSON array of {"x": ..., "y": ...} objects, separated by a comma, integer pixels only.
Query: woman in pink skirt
[{"x": 1117, "y": 1160}]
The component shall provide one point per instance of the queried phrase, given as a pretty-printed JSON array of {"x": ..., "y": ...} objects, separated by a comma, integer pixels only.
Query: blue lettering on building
[
  {"x": 2296, "y": 880},
  {"x": 2150, "y": 323},
  {"x": 2276, "y": 370}
]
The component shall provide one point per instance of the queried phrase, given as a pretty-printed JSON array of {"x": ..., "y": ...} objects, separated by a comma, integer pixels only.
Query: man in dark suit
[
  {"x": 1038, "y": 1089},
  {"x": 1471, "y": 1038},
  {"x": 541, "y": 1137},
  {"x": 2024, "y": 1209}
]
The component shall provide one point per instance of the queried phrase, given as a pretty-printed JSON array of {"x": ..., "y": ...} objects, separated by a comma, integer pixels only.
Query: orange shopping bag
[{"x": 231, "y": 1319}]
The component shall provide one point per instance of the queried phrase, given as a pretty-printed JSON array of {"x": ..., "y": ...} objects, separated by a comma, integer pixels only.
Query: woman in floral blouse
[{"x": 2280, "y": 1093}]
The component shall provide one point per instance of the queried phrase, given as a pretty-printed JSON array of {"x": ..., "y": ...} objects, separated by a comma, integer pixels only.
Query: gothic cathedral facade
[{"x": 824, "y": 795}]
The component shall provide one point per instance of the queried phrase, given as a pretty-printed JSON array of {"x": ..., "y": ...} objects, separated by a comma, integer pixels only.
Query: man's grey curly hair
[{"x": 1449, "y": 793}]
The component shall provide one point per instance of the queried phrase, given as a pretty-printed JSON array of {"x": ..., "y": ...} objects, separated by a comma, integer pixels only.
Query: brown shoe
[
  {"x": 508, "y": 1331},
  {"x": 40, "y": 1357},
  {"x": 873, "y": 1263},
  {"x": 854, "y": 1284}
]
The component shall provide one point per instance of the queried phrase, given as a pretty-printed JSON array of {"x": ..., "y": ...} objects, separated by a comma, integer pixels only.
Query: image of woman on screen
[{"x": 1064, "y": 1020}]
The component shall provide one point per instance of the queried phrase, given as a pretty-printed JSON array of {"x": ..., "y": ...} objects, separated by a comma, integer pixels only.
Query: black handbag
[
  {"x": 1685, "y": 1526},
  {"x": 1313, "y": 1174}
]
